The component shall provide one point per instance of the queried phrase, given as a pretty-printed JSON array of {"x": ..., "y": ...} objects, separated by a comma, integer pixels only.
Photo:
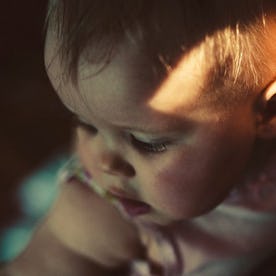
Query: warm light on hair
[{"x": 231, "y": 36}]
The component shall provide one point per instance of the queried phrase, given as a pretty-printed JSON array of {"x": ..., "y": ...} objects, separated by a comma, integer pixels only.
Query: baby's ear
[{"x": 267, "y": 123}]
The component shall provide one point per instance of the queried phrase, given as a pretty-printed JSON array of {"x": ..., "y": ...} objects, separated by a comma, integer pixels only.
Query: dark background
[{"x": 33, "y": 123}]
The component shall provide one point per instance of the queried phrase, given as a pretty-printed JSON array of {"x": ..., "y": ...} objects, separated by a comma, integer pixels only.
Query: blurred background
[{"x": 34, "y": 126}]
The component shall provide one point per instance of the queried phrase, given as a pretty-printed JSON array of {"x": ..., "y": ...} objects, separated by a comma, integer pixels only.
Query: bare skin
[
  {"x": 112, "y": 244},
  {"x": 57, "y": 238}
]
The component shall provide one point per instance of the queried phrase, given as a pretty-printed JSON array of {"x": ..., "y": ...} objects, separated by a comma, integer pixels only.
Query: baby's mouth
[
  {"x": 130, "y": 206},
  {"x": 134, "y": 207}
]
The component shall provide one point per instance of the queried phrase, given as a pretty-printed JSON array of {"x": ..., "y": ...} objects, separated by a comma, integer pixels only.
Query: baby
[{"x": 173, "y": 170}]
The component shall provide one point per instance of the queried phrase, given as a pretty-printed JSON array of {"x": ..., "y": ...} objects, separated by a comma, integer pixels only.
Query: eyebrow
[
  {"x": 169, "y": 128},
  {"x": 149, "y": 130}
]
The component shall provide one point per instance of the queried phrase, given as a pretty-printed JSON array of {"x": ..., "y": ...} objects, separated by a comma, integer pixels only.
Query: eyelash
[{"x": 156, "y": 147}]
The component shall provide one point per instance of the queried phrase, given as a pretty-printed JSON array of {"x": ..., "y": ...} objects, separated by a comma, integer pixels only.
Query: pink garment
[{"x": 230, "y": 240}]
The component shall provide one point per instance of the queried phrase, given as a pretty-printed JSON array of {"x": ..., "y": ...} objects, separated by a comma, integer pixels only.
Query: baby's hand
[
  {"x": 90, "y": 226},
  {"x": 82, "y": 233}
]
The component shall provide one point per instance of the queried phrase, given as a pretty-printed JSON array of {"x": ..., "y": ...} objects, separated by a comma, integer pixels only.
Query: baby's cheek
[
  {"x": 80, "y": 147},
  {"x": 170, "y": 189},
  {"x": 84, "y": 153}
]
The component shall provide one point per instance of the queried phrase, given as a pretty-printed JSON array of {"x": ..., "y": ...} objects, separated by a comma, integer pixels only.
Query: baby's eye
[
  {"x": 153, "y": 147},
  {"x": 85, "y": 126}
]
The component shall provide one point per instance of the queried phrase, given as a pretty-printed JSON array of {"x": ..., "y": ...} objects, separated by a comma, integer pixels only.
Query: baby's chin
[{"x": 157, "y": 218}]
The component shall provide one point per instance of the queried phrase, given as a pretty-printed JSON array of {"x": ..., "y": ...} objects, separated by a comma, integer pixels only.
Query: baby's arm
[
  {"x": 82, "y": 233},
  {"x": 94, "y": 227}
]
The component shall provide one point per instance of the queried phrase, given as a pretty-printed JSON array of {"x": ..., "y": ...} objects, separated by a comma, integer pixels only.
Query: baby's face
[{"x": 165, "y": 144}]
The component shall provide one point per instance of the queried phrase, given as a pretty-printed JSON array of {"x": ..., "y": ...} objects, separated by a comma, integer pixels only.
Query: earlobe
[{"x": 266, "y": 128}]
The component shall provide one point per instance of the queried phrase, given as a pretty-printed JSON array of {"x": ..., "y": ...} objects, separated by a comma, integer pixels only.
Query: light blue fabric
[{"x": 36, "y": 194}]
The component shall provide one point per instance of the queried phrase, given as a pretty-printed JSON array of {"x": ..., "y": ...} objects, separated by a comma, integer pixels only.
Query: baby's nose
[{"x": 113, "y": 164}]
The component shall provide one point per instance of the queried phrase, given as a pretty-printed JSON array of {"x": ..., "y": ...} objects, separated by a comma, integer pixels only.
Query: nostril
[{"x": 130, "y": 172}]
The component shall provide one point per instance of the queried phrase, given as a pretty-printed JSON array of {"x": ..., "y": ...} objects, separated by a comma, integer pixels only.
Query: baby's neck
[
  {"x": 263, "y": 156},
  {"x": 257, "y": 187}
]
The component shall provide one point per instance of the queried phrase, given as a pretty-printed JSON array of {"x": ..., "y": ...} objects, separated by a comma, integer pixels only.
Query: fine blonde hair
[{"x": 230, "y": 34}]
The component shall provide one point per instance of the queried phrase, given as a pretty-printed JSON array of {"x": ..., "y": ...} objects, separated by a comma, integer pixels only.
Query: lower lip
[{"x": 133, "y": 207}]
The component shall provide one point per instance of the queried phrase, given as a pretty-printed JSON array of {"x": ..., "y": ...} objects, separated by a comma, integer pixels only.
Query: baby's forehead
[
  {"x": 136, "y": 65},
  {"x": 125, "y": 81},
  {"x": 139, "y": 74}
]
